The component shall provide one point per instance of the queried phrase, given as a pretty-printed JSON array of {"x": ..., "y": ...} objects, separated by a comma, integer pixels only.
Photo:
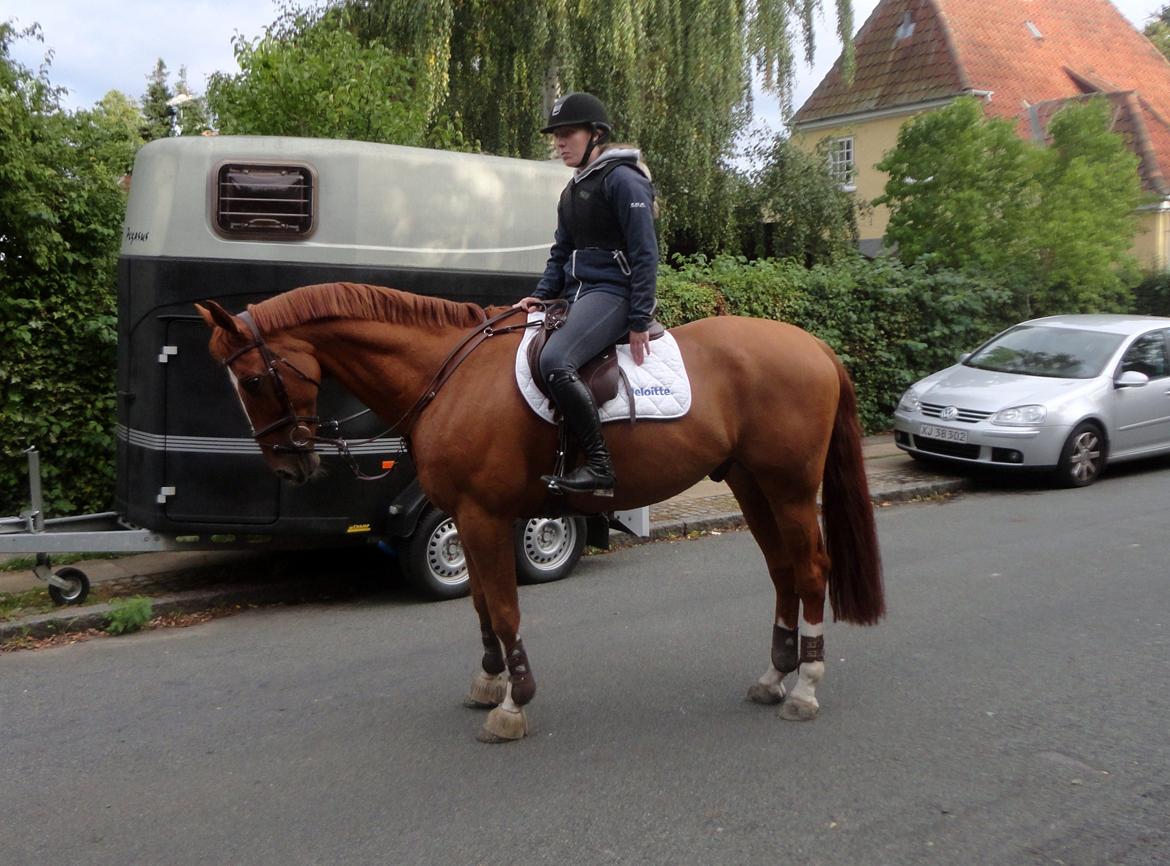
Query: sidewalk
[{"x": 191, "y": 580}]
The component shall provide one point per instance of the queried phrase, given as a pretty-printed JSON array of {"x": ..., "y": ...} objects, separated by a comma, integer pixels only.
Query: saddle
[{"x": 601, "y": 374}]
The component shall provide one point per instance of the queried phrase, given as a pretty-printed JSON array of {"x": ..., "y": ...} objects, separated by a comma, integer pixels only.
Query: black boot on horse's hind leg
[{"x": 575, "y": 401}]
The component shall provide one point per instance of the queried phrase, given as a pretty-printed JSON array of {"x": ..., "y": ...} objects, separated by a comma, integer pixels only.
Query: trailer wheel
[
  {"x": 547, "y": 548},
  {"x": 434, "y": 560},
  {"x": 75, "y": 593}
]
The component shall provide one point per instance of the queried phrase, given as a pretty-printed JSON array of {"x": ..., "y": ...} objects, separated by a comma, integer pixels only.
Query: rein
[{"x": 302, "y": 439}]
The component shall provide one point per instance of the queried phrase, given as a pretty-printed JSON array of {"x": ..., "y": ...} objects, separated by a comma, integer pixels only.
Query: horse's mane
[{"x": 359, "y": 301}]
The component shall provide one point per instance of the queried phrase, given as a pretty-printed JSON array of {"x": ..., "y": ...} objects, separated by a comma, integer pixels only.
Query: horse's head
[{"x": 277, "y": 380}]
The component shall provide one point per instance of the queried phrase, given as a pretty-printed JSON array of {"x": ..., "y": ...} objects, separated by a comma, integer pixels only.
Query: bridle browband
[{"x": 301, "y": 437}]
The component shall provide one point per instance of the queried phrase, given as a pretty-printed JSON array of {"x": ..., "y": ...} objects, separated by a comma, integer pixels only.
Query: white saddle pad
[{"x": 661, "y": 387}]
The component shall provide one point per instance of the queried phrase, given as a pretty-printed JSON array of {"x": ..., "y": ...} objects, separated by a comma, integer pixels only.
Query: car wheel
[
  {"x": 1083, "y": 457},
  {"x": 434, "y": 561},
  {"x": 547, "y": 548}
]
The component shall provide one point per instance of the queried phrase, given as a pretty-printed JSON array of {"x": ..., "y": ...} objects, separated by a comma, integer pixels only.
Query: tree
[
  {"x": 61, "y": 210},
  {"x": 1158, "y": 30},
  {"x": 111, "y": 132},
  {"x": 1085, "y": 223},
  {"x": 1052, "y": 223},
  {"x": 157, "y": 113},
  {"x": 312, "y": 77},
  {"x": 675, "y": 76},
  {"x": 793, "y": 208}
]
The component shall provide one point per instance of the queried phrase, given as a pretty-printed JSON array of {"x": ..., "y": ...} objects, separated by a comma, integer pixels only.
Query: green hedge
[
  {"x": 1152, "y": 296},
  {"x": 889, "y": 323}
]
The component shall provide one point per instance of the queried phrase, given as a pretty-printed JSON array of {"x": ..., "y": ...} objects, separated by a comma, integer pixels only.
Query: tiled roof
[
  {"x": 891, "y": 71},
  {"x": 1024, "y": 52}
]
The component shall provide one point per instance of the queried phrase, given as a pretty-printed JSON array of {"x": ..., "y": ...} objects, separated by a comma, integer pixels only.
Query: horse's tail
[{"x": 855, "y": 571}]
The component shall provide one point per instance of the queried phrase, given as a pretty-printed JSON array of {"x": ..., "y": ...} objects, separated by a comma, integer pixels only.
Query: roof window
[
  {"x": 906, "y": 28},
  {"x": 272, "y": 202},
  {"x": 1034, "y": 30}
]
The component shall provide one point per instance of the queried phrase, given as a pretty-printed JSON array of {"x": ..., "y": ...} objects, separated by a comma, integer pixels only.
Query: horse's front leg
[
  {"x": 487, "y": 543},
  {"x": 490, "y": 683}
]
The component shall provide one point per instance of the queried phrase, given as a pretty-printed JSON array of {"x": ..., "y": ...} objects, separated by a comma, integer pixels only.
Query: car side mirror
[{"x": 1131, "y": 379}]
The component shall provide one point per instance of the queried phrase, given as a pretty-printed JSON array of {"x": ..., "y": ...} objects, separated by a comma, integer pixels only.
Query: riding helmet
[{"x": 578, "y": 109}]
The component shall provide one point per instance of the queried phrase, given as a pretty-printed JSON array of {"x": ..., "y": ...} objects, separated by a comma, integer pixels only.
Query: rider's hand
[
  {"x": 639, "y": 346},
  {"x": 529, "y": 304}
]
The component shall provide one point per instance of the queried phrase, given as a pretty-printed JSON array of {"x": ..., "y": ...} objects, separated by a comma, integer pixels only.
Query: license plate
[{"x": 944, "y": 433}]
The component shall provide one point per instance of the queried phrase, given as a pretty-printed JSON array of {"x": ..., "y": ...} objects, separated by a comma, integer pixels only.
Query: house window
[
  {"x": 841, "y": 167},
  {"x": 906, "y": 28}
]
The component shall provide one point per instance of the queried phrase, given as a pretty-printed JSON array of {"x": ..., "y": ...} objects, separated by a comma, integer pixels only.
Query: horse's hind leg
[
  {"x": 802, "y": 539},
  {"x": 784, "y": 521},
  {"x": 769, "y": 688}
]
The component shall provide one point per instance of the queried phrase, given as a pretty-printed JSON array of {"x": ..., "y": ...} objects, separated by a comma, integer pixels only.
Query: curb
[
  {"x": 63, "y": 621},
  {"x": 95, "y": 616}
]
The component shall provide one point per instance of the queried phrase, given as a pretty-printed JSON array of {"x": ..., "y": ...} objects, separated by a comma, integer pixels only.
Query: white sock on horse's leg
[
  {"x": 801, "y": 703},
  {"x": 506, "y": 722},
  {"x": 769, "y": 688}
]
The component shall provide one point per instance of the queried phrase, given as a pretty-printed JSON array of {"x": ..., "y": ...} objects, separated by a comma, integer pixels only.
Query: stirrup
[{"x": 556, "y": 484}]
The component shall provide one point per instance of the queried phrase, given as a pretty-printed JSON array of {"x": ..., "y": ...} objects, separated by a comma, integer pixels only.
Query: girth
[{"x": 601, "y": 374}]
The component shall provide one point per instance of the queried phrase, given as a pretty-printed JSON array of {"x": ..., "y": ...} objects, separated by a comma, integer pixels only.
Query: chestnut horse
[{"x": 773, "y": 412}]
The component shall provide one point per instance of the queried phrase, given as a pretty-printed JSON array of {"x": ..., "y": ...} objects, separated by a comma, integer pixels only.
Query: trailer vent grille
[{"x": 272, "y": 202}]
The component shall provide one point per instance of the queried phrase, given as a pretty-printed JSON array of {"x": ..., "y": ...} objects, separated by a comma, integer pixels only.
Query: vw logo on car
[{"x": 949, "y": 413}]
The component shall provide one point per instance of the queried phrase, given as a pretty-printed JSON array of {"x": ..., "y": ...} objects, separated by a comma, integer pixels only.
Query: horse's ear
[{"x": 216, "y": 316}]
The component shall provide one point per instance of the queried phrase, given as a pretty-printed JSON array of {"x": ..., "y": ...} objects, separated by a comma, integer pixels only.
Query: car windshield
[{"x": 1062, "y": 353}]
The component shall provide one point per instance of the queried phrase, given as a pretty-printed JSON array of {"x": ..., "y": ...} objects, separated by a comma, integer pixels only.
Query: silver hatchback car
[{"x": 1065, "y": 393}]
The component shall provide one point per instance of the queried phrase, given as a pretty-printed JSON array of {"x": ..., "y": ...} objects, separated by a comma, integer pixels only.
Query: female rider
[{"x": 604, "y": 261}]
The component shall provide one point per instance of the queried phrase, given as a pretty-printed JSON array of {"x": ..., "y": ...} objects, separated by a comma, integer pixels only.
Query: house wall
[
  {"x": 872, "y": 139},
  {"x": 1151, "y": 247}
]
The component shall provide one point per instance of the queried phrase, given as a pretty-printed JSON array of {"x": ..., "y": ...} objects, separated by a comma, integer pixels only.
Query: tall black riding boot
[{"x": 575, "y": 401}]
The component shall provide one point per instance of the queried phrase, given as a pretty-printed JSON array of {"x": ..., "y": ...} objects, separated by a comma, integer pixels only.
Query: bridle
[
  {"x": 302, "y": 439},
  {"x": 300, "y": 434}
]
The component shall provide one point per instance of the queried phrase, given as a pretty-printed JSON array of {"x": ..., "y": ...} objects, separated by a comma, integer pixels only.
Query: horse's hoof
[
  {"x": 487, "y": 691},
  {"x": 504, "y": 726},
  {"x": 762, "y": 694},
  {"x": 796, "y": 710}
]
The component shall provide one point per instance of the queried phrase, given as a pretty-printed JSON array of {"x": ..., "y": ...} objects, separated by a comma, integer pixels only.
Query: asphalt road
[{"x": 1013, "y": 709}]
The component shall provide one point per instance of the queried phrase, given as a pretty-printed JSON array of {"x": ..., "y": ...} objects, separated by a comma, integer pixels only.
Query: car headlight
[
  {"x": 909, "y": 401},
  {"x": 1021, "y": 416}
]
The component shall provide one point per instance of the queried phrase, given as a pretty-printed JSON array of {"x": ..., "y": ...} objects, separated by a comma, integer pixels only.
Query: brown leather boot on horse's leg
[
  {"x": 580, "y": 413},
  {"x": 489, "y": 687},
  {"x": 508, "y": 721}
]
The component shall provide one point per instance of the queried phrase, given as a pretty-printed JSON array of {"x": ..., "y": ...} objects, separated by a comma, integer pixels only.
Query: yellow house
[{"x": 1023, "y": 58}]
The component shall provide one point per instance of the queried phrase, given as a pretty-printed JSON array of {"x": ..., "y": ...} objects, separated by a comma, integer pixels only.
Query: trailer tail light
[{"x": 266, "y": 202}]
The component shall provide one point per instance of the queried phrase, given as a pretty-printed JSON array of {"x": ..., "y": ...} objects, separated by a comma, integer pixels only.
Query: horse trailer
[{"x": 239, "y": 219}]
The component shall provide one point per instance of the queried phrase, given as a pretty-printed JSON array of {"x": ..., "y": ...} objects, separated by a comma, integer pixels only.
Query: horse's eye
[{"x": 252, "y": 384}]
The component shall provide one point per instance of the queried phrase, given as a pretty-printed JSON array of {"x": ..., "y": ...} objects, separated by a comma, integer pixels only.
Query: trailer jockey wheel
[{"x": 77, "y": 588}]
